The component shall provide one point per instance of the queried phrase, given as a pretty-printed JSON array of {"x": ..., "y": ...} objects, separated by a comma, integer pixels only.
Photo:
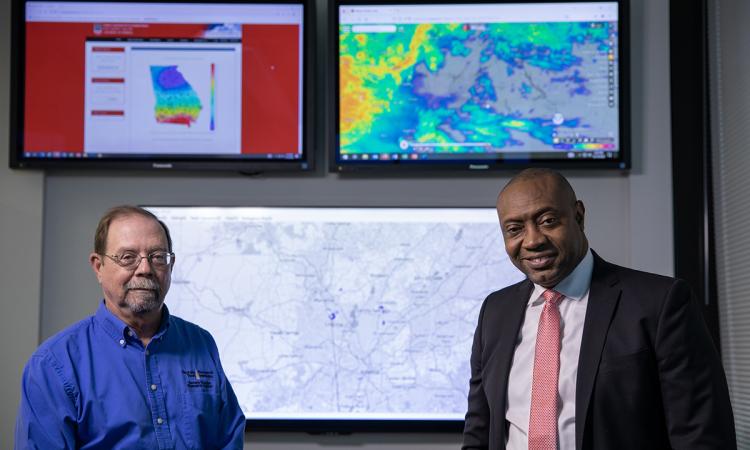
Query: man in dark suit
[{"x": 584, "y": 354}]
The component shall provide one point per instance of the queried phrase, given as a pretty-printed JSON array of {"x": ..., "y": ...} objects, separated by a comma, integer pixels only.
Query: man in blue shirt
[{"x": 131, "y": 376}]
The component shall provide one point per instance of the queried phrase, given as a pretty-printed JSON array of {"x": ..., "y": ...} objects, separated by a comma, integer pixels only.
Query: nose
[
  {"x": 144, "y": 267},
  {"x": 533, "y": 238}
]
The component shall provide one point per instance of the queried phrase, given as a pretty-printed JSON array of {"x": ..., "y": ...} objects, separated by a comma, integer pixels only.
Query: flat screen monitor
[
  {"x": 480, "y": 85},
  {"x": 149, "y": 85},
  {"x": 340, "y": 319}
]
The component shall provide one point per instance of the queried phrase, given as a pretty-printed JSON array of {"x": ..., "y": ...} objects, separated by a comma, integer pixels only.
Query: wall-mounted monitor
[
  {"x": 340, "y": 319},
  {"x": 161, "y": 85},
  {"x": 480, "y": 85}
]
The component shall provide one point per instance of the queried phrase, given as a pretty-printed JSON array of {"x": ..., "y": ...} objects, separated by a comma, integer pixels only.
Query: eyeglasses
[{"x": 131, "y": 260}]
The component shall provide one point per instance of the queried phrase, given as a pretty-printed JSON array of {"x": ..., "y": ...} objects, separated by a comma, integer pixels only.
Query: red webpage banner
[
  {"x": 55, "y": 82},
  {"x": 270, "y": 88}
]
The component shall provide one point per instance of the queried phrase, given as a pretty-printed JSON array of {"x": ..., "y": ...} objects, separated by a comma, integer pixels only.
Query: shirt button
[
  {"x": 153, "y": 387},
  {"x": 130, "y": 333},
  {"x": 122, "y": 342},
  {"x": 147, "y": 353},
  {"x": 160, "y": 421}
]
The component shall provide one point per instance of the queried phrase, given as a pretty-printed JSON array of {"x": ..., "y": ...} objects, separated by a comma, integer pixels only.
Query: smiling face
[
  {"x": 542, "y": 226},
  {"x": 133, "y": 292}
]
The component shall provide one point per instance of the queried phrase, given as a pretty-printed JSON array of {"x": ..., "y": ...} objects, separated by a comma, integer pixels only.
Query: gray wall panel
[{"x": 21, "y": 204}]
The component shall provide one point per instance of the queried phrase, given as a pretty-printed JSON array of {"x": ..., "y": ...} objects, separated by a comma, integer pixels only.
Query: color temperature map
[
  {"x": 176, "y": 100},
  {"x": 496, "y": 87}
]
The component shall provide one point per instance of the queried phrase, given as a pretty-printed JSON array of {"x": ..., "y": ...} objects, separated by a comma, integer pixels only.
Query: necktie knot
[{"x": 552, "y": 296}]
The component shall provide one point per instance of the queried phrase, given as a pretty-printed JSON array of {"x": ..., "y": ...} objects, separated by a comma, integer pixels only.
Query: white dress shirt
[{"x": 575, "y": 288}]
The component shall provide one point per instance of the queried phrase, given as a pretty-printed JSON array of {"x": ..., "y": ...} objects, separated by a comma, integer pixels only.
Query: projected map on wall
[
  {"x": 473, "y": 79},
  {"x": 339, "y": 313}
]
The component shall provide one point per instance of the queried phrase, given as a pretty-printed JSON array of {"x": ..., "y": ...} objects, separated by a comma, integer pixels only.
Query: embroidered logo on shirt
[{"x": 199, "y": 378}]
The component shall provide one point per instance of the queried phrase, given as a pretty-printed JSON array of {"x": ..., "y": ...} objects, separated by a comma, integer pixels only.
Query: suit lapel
[
  {"x": 604, "y": 295},
  {"x": 509, "y": 324}
]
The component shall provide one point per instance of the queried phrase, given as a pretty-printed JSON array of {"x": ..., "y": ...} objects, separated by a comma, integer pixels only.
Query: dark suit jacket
[{"x": 649, "y": 376}]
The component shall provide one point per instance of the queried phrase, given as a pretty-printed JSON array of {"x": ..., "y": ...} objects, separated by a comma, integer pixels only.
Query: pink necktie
[{"x": 543, "y": 416}]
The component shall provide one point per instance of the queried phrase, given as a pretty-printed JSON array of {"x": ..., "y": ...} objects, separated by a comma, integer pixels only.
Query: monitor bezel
[
  {"x": 161, "y": 163},
  {"x": 464, "y": 166},
  {"x": 333, "y": 426}
]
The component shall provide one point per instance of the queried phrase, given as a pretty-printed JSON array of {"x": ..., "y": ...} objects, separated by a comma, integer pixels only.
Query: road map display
[
  {"x": 339, "y": 313},
  {"x": 446, "y": 80}
]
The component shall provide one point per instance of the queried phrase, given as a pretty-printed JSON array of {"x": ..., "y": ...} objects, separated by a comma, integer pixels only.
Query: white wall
[{"x": 629, "y": 219}]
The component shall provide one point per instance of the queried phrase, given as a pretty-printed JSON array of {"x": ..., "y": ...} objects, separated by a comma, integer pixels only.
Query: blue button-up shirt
[{"x": 95, "y": 386}]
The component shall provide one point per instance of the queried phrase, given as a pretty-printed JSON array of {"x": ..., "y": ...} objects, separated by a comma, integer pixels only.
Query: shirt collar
[
  {"x": 118, "y": 329},
  {"x": 575, "y": 285}
]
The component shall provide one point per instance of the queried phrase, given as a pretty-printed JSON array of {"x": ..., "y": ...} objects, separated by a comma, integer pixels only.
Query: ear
[
  {"x": 96, "y": 264},
  {"x": 580, "y": 213}
]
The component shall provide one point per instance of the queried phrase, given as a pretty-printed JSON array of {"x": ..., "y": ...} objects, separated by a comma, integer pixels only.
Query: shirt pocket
[{"x": 201, "y": 398}]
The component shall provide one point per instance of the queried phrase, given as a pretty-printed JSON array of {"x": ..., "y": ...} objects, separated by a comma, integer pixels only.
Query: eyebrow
[
  {"x": 149, "y": 251},
  {"x": 551, "y": 209},
  {"x": 534, "y": 215}
]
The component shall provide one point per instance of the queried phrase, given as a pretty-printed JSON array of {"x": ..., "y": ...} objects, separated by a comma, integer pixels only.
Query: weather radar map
[
  {"x": 176, "y": 100},
  {"x": 471, "y": 79},
  {"x": 339, "y": 313}
]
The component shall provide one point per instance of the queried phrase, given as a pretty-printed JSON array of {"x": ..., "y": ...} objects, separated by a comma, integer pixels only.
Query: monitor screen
[
  {"x": 481, "y": 85},
  {"x": 347, "y": 317},
  {"x": 160, "y": 85}
]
